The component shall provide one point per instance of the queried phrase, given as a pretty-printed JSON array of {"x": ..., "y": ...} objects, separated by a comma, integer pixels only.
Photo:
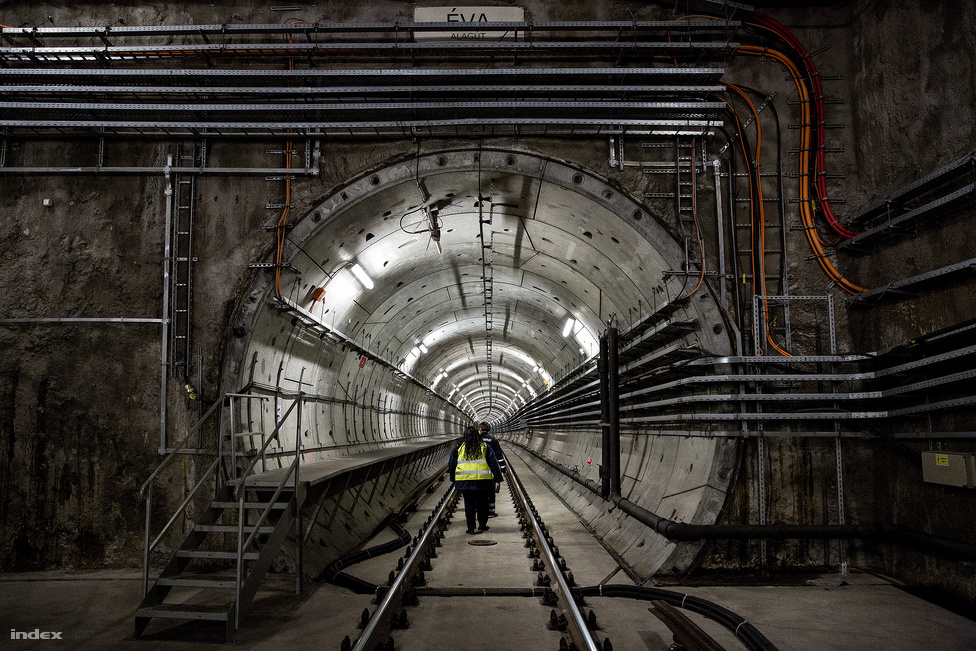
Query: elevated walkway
[
  {"x": 258, "y": 516},
  {"x": 317, "y": 472}
]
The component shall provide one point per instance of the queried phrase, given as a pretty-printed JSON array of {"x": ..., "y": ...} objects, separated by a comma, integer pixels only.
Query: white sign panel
[{"x": 467, "y": 19}]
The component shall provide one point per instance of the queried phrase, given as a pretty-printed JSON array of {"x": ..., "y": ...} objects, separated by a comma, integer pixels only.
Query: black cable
[
  {"x": 742, "y": 629},
  {"x": 334, "y": 574}
]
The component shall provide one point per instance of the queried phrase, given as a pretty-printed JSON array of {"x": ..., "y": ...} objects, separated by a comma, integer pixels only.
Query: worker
[
  {"x": 484, "y": 427},
  {"x": 475, "y": 473}
]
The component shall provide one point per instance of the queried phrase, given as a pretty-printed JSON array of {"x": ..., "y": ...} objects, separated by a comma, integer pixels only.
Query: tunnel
[
  {"x": 698, "y": 274},
  {"x": 549, "y": 243}
]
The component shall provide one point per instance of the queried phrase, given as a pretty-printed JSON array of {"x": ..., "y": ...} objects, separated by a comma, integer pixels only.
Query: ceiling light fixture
[
  {"x": 362, "y": 277},
  {"x": 570, "y": 322}
]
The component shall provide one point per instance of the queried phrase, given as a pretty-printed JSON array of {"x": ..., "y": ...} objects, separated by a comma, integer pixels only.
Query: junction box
[{"x": 949, "y": 468}]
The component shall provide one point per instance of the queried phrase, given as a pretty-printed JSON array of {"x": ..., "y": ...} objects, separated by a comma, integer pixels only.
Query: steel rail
[
  {"x": 574, "y": 617},
  {"x": 378, "y": 624}
]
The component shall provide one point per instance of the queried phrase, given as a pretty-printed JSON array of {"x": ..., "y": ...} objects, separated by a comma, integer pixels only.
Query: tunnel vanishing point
[{"x": 708, "y": 272}]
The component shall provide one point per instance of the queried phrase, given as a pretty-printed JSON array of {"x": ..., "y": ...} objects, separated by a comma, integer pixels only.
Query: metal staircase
[{"x": 217, "y": 570}]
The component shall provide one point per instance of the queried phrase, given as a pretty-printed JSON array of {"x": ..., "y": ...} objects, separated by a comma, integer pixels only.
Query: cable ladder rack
[{"x": 182, "y": 261}]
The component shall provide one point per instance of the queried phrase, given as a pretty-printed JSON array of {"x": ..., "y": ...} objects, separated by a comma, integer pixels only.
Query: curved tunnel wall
[{"x": 564, "y": 244}]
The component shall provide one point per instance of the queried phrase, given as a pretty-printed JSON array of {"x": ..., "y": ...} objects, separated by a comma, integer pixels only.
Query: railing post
[
  {"x": 240, "y": 555},
  {"x": 264, "y": 437},
  {"x": 218, "y": 429},
  {"x": 233, "y": 436},
  {"x": 145, "y": 553}
]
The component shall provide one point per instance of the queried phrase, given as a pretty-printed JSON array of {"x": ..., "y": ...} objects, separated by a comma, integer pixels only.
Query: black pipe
[
  {"x": 672, "y": 530},
  {"x": 601, "y": 366},
  {"x": 613, "y": 377}
]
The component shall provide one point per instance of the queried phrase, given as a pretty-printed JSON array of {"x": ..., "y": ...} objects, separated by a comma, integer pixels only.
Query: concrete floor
[{"x": 94, "y": 610}]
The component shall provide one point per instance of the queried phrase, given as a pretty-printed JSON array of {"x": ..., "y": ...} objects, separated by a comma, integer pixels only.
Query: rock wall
[
  {"x": 79, "y": 403},
  {"x": 912, "y": 100}
]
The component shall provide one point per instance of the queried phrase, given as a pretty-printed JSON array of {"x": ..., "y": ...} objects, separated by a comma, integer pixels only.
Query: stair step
[
  {"x": 230, "y": 528},
  {"x": 249, "y": 505},
  {"x": 216, "y": 613},
  {"x": 175, "y": 581},
  {"x": 230, "y": 556}
]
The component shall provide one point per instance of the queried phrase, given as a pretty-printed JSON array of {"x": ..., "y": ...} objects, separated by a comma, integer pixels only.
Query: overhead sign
[{"x": 467, "y": 19}]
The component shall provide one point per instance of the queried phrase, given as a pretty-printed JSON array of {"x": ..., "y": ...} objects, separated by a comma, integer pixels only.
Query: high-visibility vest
[{"x": 473, "y": 469}]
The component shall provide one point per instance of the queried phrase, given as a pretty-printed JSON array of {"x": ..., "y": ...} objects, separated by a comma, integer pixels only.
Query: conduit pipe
[
  {"x": 139, "y": 170},
  {"x": 613, "y": 377},
  {"x": 681, "y": 531},
  {"x": 59, "y": 319},
  {"x": 604, "y": 382}
]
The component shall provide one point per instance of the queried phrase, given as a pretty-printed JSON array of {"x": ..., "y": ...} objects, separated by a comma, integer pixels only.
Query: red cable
[{"x": 818, "y": 113}]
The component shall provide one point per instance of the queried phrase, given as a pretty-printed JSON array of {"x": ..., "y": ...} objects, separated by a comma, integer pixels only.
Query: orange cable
[
  {"x": 762, "y": 218},
  {"x": 283, "y": 219},
  {"x": 806, "y": 213}
]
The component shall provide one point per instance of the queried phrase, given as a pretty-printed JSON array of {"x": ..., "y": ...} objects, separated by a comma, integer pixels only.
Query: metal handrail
[
  {"x": 186, "y": 502},
  {"x": 241, "y": 494},
  {"x": 147, "y": 490},
  {"x": 264, "y": 448},
  {"x": 204, "y": 478},
  {"x": 224, "y": 453},
  {"x": 178, "y": 448}
]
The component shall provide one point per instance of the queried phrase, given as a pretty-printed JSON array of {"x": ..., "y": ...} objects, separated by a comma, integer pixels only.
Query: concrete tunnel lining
[{"x": 567, "y": 244}]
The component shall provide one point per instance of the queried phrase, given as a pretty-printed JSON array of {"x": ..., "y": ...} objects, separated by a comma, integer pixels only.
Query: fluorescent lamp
[
  {"x": 566, "y": 328},
  {"x": 423, "y": 348},
  {"x": 362, "y": 277}
]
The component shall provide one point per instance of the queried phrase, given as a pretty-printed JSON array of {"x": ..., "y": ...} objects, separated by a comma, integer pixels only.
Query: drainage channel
[{"x": 423, "y": 605}]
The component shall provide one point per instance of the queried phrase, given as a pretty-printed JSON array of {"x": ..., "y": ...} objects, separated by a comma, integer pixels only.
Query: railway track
[{"x": 507, "y": 588}]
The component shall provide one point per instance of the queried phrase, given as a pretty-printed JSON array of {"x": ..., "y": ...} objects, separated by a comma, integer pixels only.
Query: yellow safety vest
[{"x": 472, "y": 469}]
